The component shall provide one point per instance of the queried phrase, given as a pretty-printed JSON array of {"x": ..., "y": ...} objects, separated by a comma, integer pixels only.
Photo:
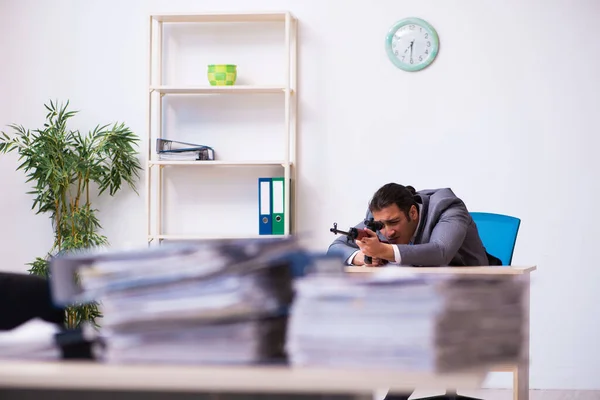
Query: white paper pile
[
  {"x": 35, "y": 340},
  {"x": 394, "y": 319},
  {"x": 203, "y": 302}
]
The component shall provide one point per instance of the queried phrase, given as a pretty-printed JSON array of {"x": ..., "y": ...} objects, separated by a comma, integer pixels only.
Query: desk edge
[{"x": 483, "y": 270}]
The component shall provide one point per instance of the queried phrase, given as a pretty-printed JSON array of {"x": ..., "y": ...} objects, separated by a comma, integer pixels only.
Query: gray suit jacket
[{"x": 446, "y": 234}]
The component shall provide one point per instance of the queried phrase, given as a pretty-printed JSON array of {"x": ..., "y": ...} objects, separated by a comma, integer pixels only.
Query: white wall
[{"x": 505, "y": 116}]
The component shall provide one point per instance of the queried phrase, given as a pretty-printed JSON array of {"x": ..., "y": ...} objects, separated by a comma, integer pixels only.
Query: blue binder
[{"x": 265, "y": 206}]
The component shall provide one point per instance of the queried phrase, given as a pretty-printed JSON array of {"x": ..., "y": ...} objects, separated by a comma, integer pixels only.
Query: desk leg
[
  {"x": 521, "y": 382},
  {"x": 521, "y": 372}
]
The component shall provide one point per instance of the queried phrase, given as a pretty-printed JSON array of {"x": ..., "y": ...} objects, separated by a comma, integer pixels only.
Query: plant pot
[{"x": 222, "y": 74}]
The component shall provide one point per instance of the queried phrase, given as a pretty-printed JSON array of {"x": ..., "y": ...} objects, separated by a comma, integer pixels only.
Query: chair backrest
[{"x": 498, "y": 233}]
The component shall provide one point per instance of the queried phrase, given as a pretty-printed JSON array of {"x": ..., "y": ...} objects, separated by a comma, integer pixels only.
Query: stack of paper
[
  {"x": 35, "y": 339},
  {"x": 220, "y": 301},
  {"x": 393, "y": 319}
]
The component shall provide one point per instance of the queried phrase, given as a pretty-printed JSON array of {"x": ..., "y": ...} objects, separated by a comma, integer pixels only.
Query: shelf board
[
  {"x": 222, "y": 163},
  {"x": 224, "y": 17},
  {"x": 212, "y": 237},
  {"x": 235, "y": 89}
]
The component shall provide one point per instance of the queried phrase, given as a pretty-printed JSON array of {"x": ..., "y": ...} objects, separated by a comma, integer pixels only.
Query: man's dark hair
[{"x": 393, "y": 193}]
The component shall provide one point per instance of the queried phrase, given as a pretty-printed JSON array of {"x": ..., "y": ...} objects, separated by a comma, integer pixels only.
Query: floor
[{"x": 501, "y": 394}]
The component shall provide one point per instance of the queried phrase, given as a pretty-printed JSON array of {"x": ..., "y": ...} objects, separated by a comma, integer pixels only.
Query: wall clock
[{"x": 412, "y": 44}]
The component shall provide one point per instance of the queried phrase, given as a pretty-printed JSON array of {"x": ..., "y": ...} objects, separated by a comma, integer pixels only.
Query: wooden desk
[
  {"x": 216, "y": 382},
  {"x": 211, "y": 380},
  {"x": 521, "y": 371}
]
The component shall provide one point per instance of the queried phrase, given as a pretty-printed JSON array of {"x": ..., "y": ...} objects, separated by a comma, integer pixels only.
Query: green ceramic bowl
[{"x": 222, "y": 74}]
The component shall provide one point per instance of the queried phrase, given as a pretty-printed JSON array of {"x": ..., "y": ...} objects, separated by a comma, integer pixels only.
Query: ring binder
[
  {"x": 179, "y": 151},
  {"x": 265, "y": 206}
]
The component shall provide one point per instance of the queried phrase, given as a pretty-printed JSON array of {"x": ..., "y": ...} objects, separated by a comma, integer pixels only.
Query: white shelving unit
[{"x": 159, "y": 90}]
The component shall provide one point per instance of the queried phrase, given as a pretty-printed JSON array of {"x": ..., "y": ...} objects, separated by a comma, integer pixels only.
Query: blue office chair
[{"x": 499, "y": 234}]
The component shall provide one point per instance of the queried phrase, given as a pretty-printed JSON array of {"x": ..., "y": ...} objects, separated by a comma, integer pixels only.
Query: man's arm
[
  {"x": 24, "y": 297},
  {"x": 446, "y": 239}
]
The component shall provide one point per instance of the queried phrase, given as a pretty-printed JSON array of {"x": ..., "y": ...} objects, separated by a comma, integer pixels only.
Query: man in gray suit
[{"x": 425, "y": 228}]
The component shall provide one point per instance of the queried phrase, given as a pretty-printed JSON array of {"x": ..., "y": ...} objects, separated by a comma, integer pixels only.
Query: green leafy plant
[{"x": 64, "y": 167}]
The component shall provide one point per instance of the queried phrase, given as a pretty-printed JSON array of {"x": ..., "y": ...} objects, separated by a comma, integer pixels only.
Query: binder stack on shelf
[
  {"x": 172, "y": 150},
  {"x": 395, "y": 319},
  {"x": 271, "y": 206},
  {"x": 214, "y": 301}
]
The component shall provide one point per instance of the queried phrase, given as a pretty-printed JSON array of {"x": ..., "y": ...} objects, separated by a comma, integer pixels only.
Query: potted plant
[{"x": 63, "y": 164}]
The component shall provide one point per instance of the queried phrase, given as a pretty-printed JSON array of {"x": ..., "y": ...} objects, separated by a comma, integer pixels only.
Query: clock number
[
  {"x": 411, "y": 61},
  {"x": 427, "y": 51},
  {"x": 428, "y": 44},
  {"x": 420, "y": 58},
  {"x": 411, "y": 27},
  {"x": 395, "y": 52},
  {"x": 427, "y": 36}
]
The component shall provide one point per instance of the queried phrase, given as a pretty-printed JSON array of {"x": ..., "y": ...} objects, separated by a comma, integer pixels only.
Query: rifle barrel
[{"x": 336, "y": 231}]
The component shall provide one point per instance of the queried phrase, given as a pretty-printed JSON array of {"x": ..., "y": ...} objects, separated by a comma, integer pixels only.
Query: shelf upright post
[
  {"x": 149, "y": 133},
  {"x": 286, "y": 168},
  {"x": 159, "y": 131},
  {"x": 293, "y": 212}
]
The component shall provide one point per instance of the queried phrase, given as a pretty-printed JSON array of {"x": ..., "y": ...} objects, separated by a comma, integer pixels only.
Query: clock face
[{"x": 412, "y": 44}]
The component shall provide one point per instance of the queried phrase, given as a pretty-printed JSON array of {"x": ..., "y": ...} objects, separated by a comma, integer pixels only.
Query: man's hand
[
  {"x": 371, "y": 246},
  {"x": 359, "y": 259},
  {"x": 377, "y": 262}
]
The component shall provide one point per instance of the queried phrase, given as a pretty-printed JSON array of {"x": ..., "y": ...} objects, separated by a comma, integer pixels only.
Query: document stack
[
  {"x": 395, "y": 319},
  {"x": 32, "y": 340},
  {"x": 221, "y": 301},
  {"x": 171, "y": 150}
]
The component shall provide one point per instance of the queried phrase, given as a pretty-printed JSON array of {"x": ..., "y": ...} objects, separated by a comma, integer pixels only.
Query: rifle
[{"x": 357, "y": 233}]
